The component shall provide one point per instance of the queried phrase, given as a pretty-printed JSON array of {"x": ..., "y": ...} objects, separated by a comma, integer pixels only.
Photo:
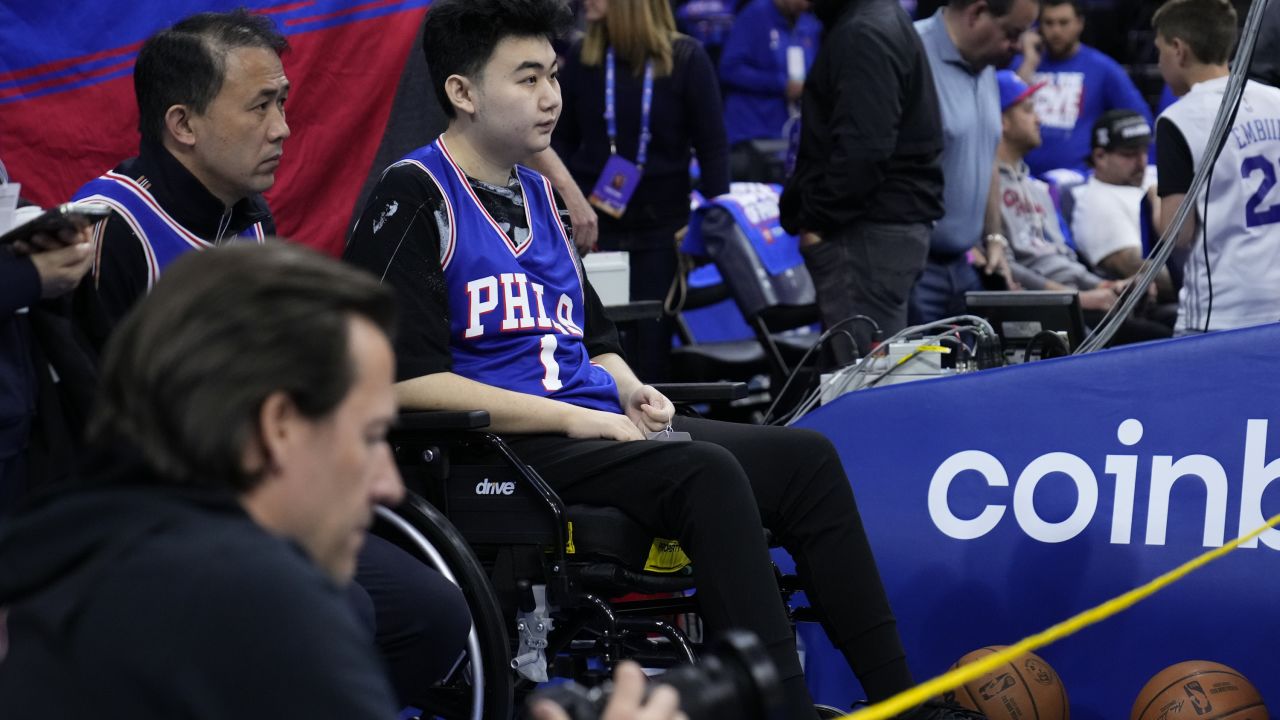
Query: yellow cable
[
  {"x": 923, "y": 348},
  {"x": 912, "y": 697}
]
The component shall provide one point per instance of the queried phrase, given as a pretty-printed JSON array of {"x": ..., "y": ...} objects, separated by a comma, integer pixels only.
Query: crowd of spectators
[{"x": 863, "y": 178}]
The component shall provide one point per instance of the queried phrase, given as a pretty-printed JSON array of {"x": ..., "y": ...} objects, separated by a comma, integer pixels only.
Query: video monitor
[{"x": 1019, "y": 317}]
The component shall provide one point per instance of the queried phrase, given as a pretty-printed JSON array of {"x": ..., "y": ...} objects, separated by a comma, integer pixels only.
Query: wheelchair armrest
[
  {"x": 702, "y": 392},
  {"x": 441, "y": 420}
]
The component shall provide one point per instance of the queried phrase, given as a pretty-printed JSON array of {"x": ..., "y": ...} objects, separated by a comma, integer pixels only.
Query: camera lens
[{"x": 734, "y": 679}]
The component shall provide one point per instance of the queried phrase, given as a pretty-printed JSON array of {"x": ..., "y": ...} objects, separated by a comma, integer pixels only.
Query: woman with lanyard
[{"x": 639, "y": 101}]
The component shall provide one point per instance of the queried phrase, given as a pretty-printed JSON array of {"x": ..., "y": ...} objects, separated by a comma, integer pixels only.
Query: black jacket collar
[{"x": 187, "y": 200}]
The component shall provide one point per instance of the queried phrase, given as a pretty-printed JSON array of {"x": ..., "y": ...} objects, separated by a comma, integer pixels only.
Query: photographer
[
  {"x": 233, "y": 473},
  {"x": 206, "y": 559}
]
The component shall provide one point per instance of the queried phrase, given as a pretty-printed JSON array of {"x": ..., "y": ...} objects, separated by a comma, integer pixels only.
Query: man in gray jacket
[{"x": 1042, "y": 260}]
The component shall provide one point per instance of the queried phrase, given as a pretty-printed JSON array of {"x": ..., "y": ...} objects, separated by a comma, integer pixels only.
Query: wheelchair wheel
[{"x": 481, "y": 686}]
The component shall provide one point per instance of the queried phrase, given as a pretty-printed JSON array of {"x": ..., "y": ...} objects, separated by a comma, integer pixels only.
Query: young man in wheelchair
[{"x": 498, "y": 316}]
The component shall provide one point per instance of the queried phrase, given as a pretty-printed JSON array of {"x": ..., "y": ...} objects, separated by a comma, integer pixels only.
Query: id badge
[{"x": 615, "y": 187}]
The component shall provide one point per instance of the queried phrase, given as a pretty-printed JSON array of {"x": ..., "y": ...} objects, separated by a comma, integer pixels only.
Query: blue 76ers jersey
[
  {"x": 516, "y": 312},
  {"x": 163, "y": 238}
]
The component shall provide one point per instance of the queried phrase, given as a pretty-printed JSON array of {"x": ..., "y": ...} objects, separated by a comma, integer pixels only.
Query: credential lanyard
[{"x": 611, "y": 111}]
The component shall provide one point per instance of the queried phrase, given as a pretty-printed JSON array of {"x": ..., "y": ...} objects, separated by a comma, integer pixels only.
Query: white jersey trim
[
  {"x": 564, "y": 234},
  {"x": 153, "y": 266},
  {"x": 132, "y": 186},
  {"x": 462, "y": 177}
]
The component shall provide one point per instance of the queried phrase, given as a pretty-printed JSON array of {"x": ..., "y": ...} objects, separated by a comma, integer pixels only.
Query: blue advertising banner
[{"x": 1001, "y": 502}]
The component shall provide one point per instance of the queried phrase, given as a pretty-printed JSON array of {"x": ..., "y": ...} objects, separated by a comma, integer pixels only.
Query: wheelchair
[{"x": 541, "y": 578}]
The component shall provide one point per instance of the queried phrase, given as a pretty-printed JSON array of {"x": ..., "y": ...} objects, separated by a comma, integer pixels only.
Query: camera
[{"x": 734, "y": 679}]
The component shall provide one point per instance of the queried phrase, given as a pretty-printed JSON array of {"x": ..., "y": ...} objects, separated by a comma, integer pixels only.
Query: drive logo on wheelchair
[{"x": 485, "y": 487}]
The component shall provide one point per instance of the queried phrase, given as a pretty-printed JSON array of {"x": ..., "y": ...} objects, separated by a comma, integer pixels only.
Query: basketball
[
  {"x": 1198, "y": 689},
  {"x": 1026, "y": 688}
]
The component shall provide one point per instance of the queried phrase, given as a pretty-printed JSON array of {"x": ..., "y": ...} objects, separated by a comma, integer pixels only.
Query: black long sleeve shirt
[
  {"x": 686, "y": 116},
  {"x": 871, "y": 130},
  {"x": 398, "y": 240}
]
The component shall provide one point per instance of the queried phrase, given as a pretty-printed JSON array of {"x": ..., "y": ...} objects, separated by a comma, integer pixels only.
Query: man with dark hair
[
  {"x": 211, "y": 93},
  {"x": 964, "y": 41},
  {"x": 1232, "y": 273},
  {"x": 1081, "y": 83},
  {"x": 498, "y": 316},
  {"x": 867, "y": 186},
  {"x": 239, "y": 449}
]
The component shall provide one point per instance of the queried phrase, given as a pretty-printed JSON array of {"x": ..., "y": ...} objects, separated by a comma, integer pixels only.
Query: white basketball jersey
[{"x": 1240, "y": 222}]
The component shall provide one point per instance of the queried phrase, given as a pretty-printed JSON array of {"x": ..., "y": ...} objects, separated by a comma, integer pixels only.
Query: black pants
[
  {"x": 866, "y": 269},
  {"x": 418, "y": 619},
  {"x": 713, "y": 495},
  {"x": 13, "y": 482}
]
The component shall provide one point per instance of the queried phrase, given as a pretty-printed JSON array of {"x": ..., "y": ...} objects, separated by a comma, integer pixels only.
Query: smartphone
[{"x": 72, "y": 215}]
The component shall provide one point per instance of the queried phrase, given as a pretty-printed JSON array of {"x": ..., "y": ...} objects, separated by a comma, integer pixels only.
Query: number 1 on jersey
[{"x": 550, "y": 379}]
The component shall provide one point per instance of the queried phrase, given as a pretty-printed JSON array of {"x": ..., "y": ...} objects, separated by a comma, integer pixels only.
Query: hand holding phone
[
  {"x": 61, "y": 269},
  {"x": 60, "y": 225},
  {"x": 57, "y": 241}
]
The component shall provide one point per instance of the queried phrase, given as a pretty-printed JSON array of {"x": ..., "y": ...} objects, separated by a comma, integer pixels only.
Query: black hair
[
  {"x": 458, "y": 36},
  {"x": 186, "y": 64},
  {"x": 1075, "y": 5},
  {"x": 185, "y": 375},
  {"x": 1207, "y": 26}
]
